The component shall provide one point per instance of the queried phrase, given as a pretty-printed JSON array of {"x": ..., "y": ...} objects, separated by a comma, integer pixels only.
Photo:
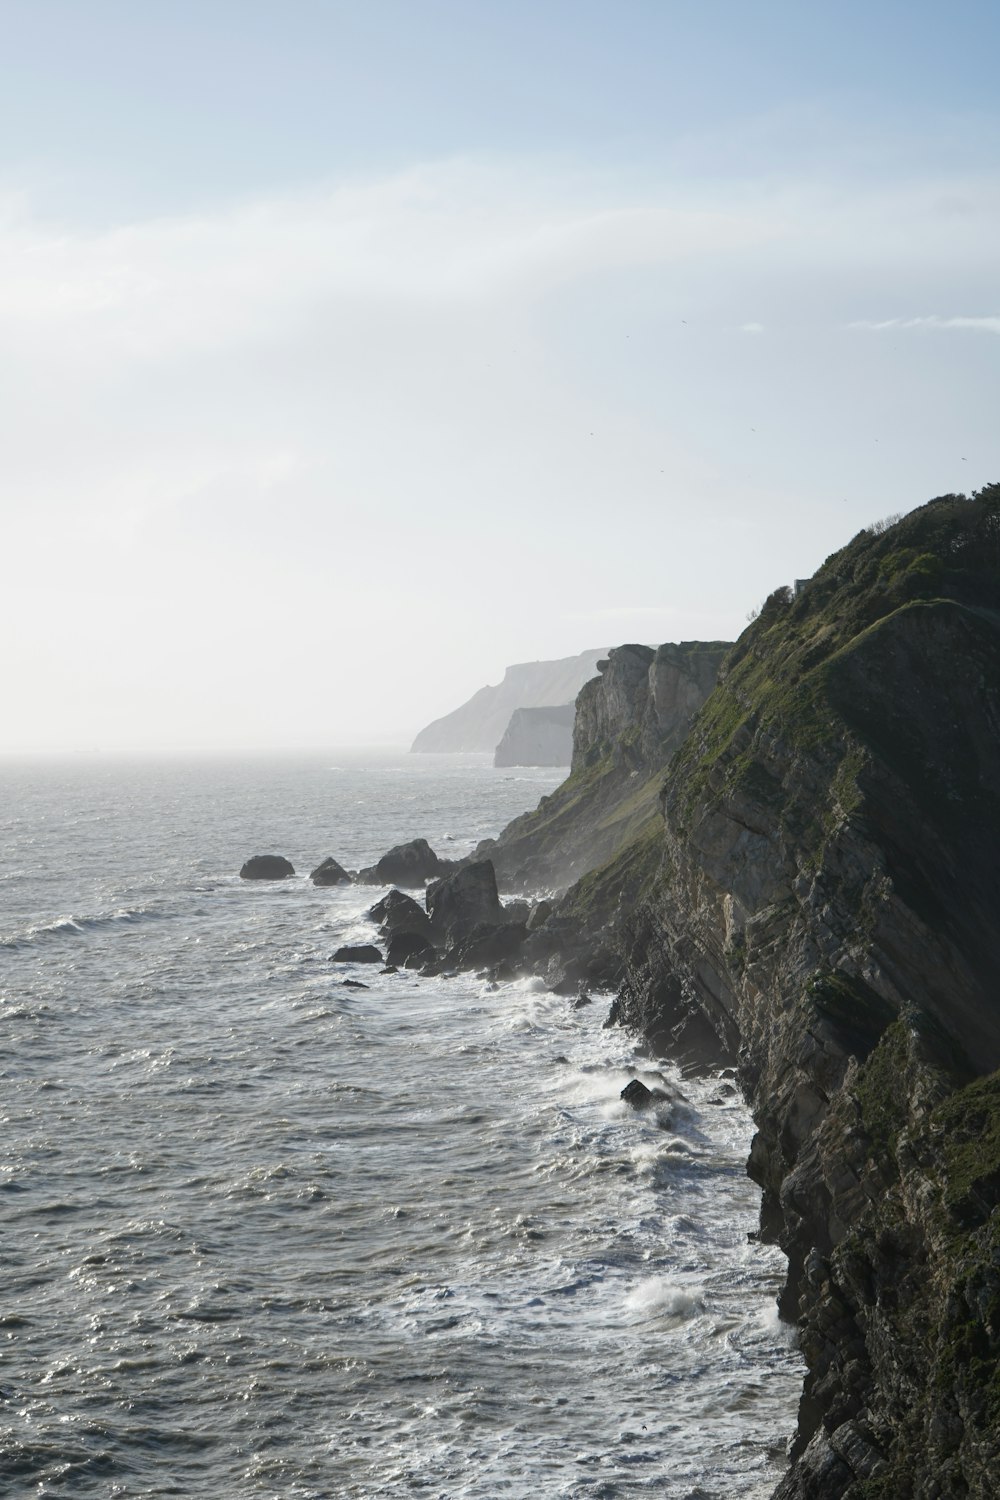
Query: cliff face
[
  {"x": 639, "y": 709},
  {"x": 480, "y": 723},
  {"x": 629, "y": 720},
  {"x": 537, "y": 737},
  {"x": 825, "y": 909}
]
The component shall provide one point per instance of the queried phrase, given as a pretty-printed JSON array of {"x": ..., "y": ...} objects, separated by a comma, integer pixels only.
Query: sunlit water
[{"x": 267, "y": 1235}]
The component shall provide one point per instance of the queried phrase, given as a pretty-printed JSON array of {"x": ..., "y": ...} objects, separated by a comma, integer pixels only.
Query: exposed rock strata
[
  {"x": 825, "y": 909},
  {"x": 629, "y": 720}
]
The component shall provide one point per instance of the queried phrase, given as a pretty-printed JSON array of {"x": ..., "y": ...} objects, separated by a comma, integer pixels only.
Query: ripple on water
[{"x": 265, "y": 1235}]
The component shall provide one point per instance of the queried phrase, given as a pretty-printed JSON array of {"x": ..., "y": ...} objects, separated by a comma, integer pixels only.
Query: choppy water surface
[{"x": 265, "y": 1235}]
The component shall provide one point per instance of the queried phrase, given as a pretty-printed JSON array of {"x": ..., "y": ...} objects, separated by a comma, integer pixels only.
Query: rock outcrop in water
[
  {"x": 267, "y": 867},
  {"x": 411, "y": 864},
  {"x": 357, "y": 953},
  {"x": 330, "y": 873},
  {"x": 815, "y": 895},
  {"x": 464, "y": 902}
]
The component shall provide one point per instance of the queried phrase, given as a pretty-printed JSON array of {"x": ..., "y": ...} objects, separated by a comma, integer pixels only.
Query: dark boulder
[
  {"x": 398, "y": 912},
  {"x": 353, "y": 984},
  {"x": 409, "y": 950},
  {"x": 411, "y": 864},
  {"x": 488, "y": 945},
  {"x": 330, "y": 873},
  {"x": 568, "y": 956},
  {"x": 464, "y": 901},
  {"x": 540, "y": 913},
  {"x": 637, "y": 1094},
  {"x": 267, "y": 867},
  {"x": 516, "y": 911},
  {"x": 357, "y": 953}
]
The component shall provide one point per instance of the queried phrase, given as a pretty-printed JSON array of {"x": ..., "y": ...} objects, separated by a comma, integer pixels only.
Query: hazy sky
[{"x": 353, "y": 349}]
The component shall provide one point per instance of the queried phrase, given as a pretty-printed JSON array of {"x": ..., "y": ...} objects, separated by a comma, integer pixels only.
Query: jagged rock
[
  {"x": 353, "y": 984},
  {"x": 357, "y": 953},
  {"x": 398, "y": 912},
  {"x": 539, "y": 914},
  {"x": 517, "y": 911},
  {"x": 569, "y": 956},
  {"x": 637, "y": 1094},
  {"x": 267, "y": 867},
  {"x": 411, "y": 864},
  {"x": 488, "y": 945},
  {"x": 409, "y": 950},
  {"x": 464, "y": 901},
  {"x": 330, "y": 873}
]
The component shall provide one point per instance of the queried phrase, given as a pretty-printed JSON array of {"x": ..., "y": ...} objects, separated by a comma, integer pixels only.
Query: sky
[{"x": 351, "y": 350}]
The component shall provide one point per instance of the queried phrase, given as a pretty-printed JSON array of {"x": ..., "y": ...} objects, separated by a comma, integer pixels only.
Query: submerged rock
[
  {"x": 267, "y": 867},
  {"x": 357, "y": 953},
  {"x": 330, "y": 873}
]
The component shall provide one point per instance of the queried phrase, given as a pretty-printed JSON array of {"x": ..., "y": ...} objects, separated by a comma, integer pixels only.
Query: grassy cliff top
[{"x": 791, "y": 672}]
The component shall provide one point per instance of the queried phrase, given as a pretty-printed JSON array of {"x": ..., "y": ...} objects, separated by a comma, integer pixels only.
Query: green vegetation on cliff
[
  {"x": 790, "y": 672},
  {"x": 823, "y": 893},
  {"x": 629, "y": 720}
]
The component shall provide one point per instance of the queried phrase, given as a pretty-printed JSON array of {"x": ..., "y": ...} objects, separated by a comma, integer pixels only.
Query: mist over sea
[{"x": 267, "y": 1235}]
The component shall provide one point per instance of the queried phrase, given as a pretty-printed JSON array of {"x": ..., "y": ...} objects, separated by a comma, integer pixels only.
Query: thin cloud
[
  {"x": 439, "y": 235},
  {"x": 933, "y": 320}
]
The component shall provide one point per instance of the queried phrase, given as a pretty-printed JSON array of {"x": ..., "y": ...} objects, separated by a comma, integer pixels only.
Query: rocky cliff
[
  {"x": 480, "y": 723},
  {"x": 538, "y": 737},
  {"x": 823, "y": 908},
  {"x": 629, "y": 720}
]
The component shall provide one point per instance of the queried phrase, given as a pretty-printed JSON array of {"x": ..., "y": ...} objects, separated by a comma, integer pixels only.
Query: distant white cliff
[
  {"x": 538, "y": 737},
  {"x": 481, "y": 723}
]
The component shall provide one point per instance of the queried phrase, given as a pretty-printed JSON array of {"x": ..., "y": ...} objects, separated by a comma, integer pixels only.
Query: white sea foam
[
  {"x": 661, "y": 1296},
  {"x": 268, "y": 1235}
]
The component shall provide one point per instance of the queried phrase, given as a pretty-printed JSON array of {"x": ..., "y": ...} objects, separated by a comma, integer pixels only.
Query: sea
[{"x": 264, "y": 1233}]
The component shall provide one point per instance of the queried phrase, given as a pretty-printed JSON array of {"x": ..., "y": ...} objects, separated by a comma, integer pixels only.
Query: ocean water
[{"x": 264, "y": 1234}]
